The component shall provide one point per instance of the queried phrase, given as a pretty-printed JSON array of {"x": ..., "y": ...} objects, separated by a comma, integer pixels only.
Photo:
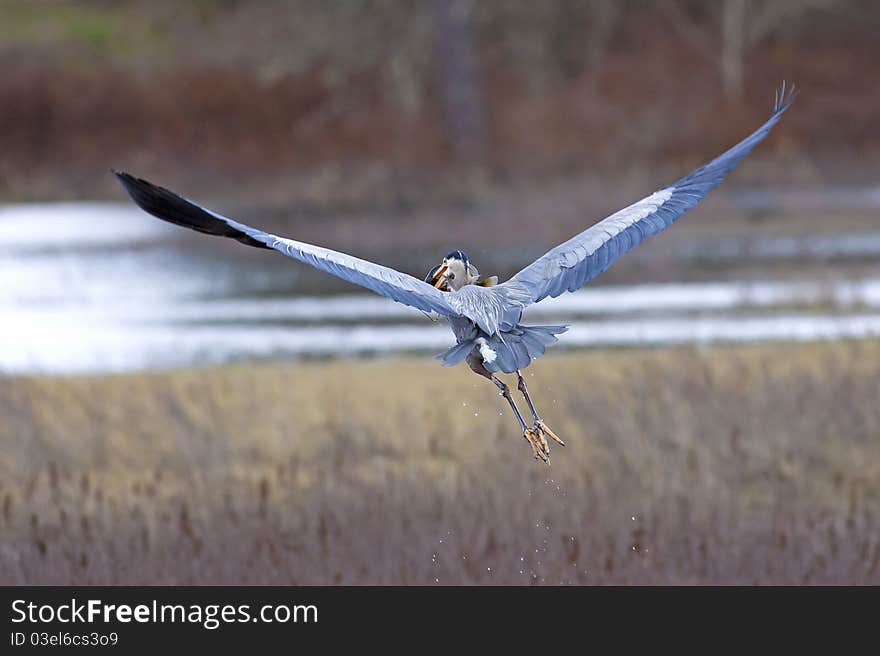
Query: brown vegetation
[
  {"x": 355, "y": 100},
  {"x": 753, "y": 464}
]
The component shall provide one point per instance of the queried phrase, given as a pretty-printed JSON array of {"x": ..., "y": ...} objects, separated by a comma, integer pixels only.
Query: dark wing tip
[
  {"x": 127, "y": 178},
  {"x": 170, "y": 207}
]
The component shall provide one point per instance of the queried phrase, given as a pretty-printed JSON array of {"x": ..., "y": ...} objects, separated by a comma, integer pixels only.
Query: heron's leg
[
  {"x": 535, "y": 438},
  {"x": 532, "y": 435},
  {"x": 505, "y": 392},
  {"x": 521, "y": 386},
  {"x": 539, "y": 423}
]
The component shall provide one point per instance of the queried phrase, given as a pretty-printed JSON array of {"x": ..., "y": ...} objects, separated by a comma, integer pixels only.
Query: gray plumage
[
  {"x": 583, "y": 257},
  {"x": 484, "y": 319}
]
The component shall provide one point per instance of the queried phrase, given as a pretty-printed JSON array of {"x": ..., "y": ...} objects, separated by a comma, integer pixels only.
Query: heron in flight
[{"x": 483, "y": 314}]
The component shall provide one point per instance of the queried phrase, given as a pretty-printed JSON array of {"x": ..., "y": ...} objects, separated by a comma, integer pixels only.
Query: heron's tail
[
  {"x": 456, "y": 354},
  {"x": 507, "y": 352}
]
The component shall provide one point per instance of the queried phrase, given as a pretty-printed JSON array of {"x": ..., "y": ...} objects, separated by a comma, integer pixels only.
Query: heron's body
[
  {"x": 505, "y": 351},
  {"x": 485, "y": 317}
]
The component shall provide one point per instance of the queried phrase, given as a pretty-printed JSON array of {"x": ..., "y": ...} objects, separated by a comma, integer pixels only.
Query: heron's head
[{"x": 453, "y": 273}]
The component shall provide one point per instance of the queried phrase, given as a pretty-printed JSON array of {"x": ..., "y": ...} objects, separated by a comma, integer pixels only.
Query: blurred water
[{"x": 103, "y": 287}]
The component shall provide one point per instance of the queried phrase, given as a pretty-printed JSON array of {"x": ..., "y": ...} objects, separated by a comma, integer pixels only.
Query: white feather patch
[{"x": 488, "y": 354}]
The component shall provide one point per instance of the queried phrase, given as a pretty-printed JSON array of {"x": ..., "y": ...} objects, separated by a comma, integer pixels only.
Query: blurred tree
[
  {"x": 733, "y": 27},
  {"x": 603, "y": 18},
  {"x": 549, "y": 42},
  {"x": 460, "y": 82}
]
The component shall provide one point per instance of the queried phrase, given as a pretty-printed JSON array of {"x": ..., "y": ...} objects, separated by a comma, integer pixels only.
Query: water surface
[{"x": 102, "y": 287}]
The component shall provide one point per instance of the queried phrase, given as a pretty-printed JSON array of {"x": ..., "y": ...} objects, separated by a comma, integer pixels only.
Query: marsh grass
[{"x": 754, "y": 464}]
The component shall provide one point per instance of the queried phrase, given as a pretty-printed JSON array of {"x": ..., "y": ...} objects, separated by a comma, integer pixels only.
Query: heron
[{"x": 484, "y": 315}]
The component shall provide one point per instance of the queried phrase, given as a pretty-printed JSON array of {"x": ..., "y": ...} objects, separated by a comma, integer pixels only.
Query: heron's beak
[{"x": 438, "y": 276}]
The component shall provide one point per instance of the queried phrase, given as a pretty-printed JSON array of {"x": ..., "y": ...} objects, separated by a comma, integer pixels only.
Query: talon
[
  {"x": 540, "y": 448},
  {"x": 543, "y": 428},
  {"x": 545, "y": 447}
]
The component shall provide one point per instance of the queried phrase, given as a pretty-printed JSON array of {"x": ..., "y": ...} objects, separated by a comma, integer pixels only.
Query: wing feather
[
  {"x": 583, "y": 257},
  {"x": 398, "y": 286}
]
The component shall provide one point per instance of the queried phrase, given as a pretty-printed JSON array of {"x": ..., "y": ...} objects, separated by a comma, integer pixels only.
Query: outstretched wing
[
  {"x": 583, "y": 257},
  {"x": 401, "y": 287}
]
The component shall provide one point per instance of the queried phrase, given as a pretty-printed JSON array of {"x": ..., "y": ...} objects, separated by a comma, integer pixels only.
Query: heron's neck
[{"x": 455, "y": 285}]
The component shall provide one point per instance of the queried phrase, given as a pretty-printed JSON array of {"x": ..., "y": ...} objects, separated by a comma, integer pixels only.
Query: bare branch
[{"x": 688, "y": 28}]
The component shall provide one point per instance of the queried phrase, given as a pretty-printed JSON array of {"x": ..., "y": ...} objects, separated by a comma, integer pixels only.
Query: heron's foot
[
  {"x": 540, "y": 448},
  {"x": 545, "y": 429}
]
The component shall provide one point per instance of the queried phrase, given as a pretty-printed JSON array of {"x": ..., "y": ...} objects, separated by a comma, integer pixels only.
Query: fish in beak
[{"x": 437, "y": 276}]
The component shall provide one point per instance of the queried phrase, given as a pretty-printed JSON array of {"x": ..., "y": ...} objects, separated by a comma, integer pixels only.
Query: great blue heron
[{"x": 484, "y": 316}]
